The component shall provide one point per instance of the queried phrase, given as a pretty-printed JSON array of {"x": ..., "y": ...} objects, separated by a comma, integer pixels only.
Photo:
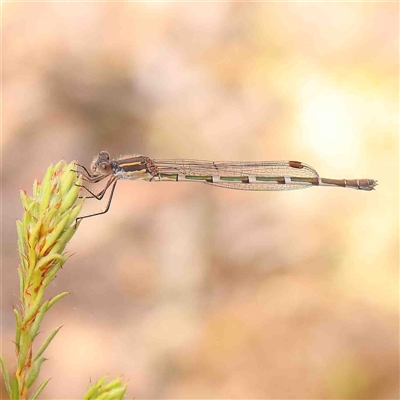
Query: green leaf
[
  {"x": 59, "y": 165},
  {"x": 70, "y": 198},
  {"x": 39, "y": 390},
  {"x": 34, "y": 211},
  {"x": 34, "y": 307},
  {"x": 52, "y": 273},
  {"x": 50, "y": 216},
  {"x": 114, "y": 394},
  {"x": 24, "y": 346},
  {"x": 93, "y": 391},
  {"x": 64, "y": 239},
  {"x": 17, "y": 329},
  {"x": 21, "y": 243},
  {"x": 48, "y": 259},
  {"x": 101, "y": 381},
  {"x": 46, "y": 189},
  {"x": 34, "y": 236},
  {"x": 5, "y": 376},
  {"x": 32, "y": 261},
  {"x": 21, "y": 282},
  {"x": 54, "y": 300},
  {"x": 46, "y": 343},
  {"x": 42, "y": 310},
  {"x": 34, "y": 372},
  {"x": 36, "y": 186},
  {"x": 15, "y": 389},
  {"x": 67, "y": 178},
  {"x": 25, "y": 200},
  {"x": 74, "y": 213},
  {"x": 38, "y": 320},
  {"x": 53, "y": 236},
  {"x": 112, "y": 385},
  {"x": 114, "y": 390}
]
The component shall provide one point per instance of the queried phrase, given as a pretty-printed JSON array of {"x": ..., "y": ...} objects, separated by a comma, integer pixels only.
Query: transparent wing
[
  {"x": 266, "y": 186},
  {"x": 278, "y": 169},
  {"x": 236, "y": 168}
]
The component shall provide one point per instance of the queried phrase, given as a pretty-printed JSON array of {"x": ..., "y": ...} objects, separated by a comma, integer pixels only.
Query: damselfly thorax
[
  {"x": 130, "y": 167},
  {"x": 241, "y": 175}
]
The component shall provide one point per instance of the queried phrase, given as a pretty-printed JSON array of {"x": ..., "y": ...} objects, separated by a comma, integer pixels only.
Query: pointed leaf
[
  {"x": 34, "y": 307},
  {"x": 67, "y": 178},
  {"x": 34, "y": 372},
  {"x": 48, "y": 222},
  {"x": 54, "y": 300},
  {"x": 91, "y": 393},
  {"x": 21, "y": 243},
  {"x": 74, "y": 213},
  {"x": 21, "y": 282},
  {"x": 48, "y": 259},
  {"x": 24, "y": 346},
  {"x": 17, "y": 329},
  {"x": 52, "y": 274},
  {"x": 25, "y": 200},
  {"x": 59, "y": 165},
  {"x": 46, "y": 189},
  {"x": 63, "y": 240},
  {"x": 39, "y": 390},
  {"x": 38, "y": 320},
  {"x": 34, "y": 236},
  {"x": 6, "y": 378},
  {"x": 113, "y": 394},
  {"x": 36, "y": 186},
  {"x": 46, "y": 343},
  {"x": 112, "y": 385},
  {"x": 32, "y": 260},
  {"x": 53, "y": 236},
  {"x": 70, "y": 198}
]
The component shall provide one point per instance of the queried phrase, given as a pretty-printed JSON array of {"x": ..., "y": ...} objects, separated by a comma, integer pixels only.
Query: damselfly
[{"x": 242, "y": 175}]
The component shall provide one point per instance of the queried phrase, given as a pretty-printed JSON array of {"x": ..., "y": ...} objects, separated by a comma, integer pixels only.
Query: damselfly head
[{"x": 101, "y": 164}]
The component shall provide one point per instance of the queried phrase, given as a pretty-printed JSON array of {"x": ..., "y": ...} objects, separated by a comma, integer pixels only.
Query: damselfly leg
[
  {"x": 92, "y": 178},
  {"x": 88, "y": 177},
  {"x": 112, "y": 182},
  {"x": 101, "y": 194}
]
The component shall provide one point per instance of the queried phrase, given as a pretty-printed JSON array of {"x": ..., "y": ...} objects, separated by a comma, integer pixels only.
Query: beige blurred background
[{"x": 190, "y": 291}]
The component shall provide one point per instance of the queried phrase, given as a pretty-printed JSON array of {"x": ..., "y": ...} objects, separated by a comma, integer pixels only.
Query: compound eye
[{"x": 103, "y": 168}]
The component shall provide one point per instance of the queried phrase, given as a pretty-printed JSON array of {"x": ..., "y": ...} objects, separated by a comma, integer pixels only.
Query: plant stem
[{"x": 47, "y": 225}]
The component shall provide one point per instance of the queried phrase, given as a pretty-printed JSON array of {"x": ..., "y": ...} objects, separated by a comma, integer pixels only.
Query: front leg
[
  {"x": 101, "y": 194},
  {"x": 87, "y": 176},
  {"x": 107, "y": 207}
]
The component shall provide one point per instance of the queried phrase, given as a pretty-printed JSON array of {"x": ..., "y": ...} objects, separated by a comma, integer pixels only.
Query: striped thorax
[{"x": 133, "y": 167}]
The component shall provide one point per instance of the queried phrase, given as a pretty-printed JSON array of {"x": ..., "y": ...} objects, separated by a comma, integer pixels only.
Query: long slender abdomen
[{"x": 359, "y": 184}]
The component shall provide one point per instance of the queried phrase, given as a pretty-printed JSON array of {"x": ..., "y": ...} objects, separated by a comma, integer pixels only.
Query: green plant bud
[
  {"x": 24, "y": 199},
  {"x": 74, "y": 213},
  {"x": 53, "y": 236},
  {"x": 70, "y": 198},
  {"x": 46, "y": 190},
  {"x": 68, "y": 180}
]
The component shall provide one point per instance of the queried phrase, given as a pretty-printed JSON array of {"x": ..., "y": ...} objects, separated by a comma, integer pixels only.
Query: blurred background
[{"x": 190, "y": 291}]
